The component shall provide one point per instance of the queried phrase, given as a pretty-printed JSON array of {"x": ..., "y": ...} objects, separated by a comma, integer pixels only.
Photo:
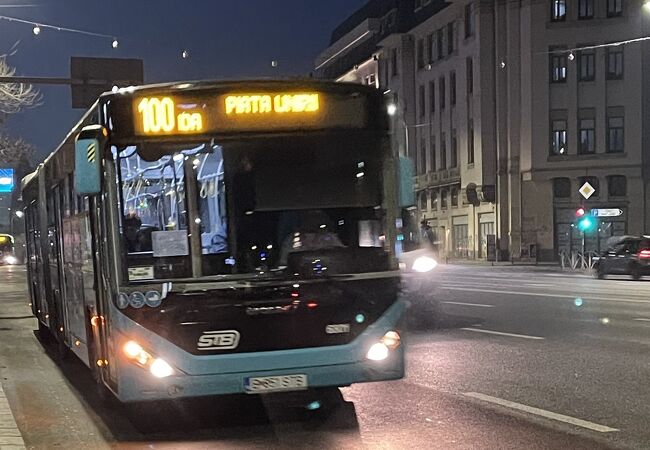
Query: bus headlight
[
  {"x": 424, "y": 264},
  {"x": 380, "y": 350},
  {"x": 158, "y": 367},
  {"x": 11, "y": 260}
]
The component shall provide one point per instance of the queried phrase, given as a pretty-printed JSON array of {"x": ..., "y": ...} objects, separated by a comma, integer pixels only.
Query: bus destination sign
[
  {"x": 187, "y": 114},
  {"x": 179, "y": 115}
]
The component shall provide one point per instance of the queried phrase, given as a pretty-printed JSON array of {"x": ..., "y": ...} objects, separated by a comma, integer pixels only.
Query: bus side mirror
[
  {"x": 406, "y": 185},
  {"x": 89, "y": 150}
]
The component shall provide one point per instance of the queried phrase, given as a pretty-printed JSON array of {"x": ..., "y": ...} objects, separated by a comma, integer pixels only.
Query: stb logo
[{"x": 218, "y": 340}]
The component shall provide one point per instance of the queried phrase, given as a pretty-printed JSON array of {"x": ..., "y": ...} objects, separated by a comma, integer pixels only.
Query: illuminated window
[
  {"x": 434, "y": 200},
  {"x": 614, "y": 8},
  {"x": 558, "y": 63},
  {"x": 558, "y": 137},
  {"x": 614, "y": 63},
  {"x": 587, "y": 137},
  {"x": 585, "y": 9},
  {"x": 615, "y": 135},
  {"x": 558, "y": 10}
]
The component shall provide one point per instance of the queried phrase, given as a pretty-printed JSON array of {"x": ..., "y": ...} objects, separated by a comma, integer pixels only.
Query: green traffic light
[{"x": 586, "y": 224}]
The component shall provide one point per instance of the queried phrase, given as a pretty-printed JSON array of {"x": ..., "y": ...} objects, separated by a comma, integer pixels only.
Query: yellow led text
[
  {"x": 264, "y": 104},
  {"x": 158, "y": 116}
]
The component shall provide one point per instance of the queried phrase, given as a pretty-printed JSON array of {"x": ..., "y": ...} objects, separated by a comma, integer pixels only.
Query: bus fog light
[
  {"x": 424, "y": 264},
  {"x": 378, "y": 352},
  {"x": 160, "y": 369},
  {"x": 391, "y": 340}
]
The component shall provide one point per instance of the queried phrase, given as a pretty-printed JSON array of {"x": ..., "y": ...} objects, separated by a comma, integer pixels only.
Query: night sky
[{"x": 226, "y": 39}]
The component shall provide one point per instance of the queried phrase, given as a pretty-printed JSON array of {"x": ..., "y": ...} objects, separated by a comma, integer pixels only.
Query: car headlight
[
  {"x": 158, "y": 367},
  {"x": 424, "y": 264}
]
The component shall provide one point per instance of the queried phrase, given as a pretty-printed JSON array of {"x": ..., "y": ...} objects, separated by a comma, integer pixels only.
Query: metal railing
[{"x": 577, "y": 260}]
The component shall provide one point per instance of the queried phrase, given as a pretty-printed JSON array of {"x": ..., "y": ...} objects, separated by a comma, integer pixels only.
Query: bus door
[
  {"x": 55, "y": 263},
  {"x": 79, "y": 282},
  {"x": 35, "y": 261}
]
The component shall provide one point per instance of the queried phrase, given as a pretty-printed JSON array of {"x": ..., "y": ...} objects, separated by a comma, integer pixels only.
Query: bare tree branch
[
  {"x": 14, "y": 97},
  {"x": 14, "y": 151}
]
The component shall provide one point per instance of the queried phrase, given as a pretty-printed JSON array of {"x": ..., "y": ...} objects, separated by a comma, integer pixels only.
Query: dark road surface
[{"x": 498, "y": 357}]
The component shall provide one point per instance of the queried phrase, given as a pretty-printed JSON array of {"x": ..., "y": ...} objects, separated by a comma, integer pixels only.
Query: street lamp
[{"x": 20, "y": 214}]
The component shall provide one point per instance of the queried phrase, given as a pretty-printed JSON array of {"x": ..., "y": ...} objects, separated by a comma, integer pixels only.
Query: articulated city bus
[{"x": 194, "y": 239}]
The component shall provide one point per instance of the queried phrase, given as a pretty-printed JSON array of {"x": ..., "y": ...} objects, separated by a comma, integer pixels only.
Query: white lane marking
[
  {"x": 539, "y": 294},
  {"x": 478, "y": 305},
  {"x": 641, "y": 319},
  {"x": 10, "y": 436},
  {"x": 541, "y": 412},
  {"x": 500, "y": 333}
]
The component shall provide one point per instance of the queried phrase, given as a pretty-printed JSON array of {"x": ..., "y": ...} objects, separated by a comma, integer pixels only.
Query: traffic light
[
  {"x": 580, "y": 212},
  {"x": 586, "y": 224}
]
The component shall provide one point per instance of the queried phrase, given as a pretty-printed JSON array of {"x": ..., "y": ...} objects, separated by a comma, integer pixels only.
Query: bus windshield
[{"x": 256, "y": 202}]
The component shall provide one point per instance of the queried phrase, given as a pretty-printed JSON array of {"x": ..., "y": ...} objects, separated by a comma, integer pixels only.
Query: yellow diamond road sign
[{"x": 587, "y": 190}]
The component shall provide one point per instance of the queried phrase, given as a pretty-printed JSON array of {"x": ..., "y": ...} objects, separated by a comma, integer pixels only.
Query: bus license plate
[{"x": 257, "y": 385}]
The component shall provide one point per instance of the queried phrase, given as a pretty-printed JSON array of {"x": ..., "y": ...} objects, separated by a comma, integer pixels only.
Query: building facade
[{"x": 507, "y": 109}]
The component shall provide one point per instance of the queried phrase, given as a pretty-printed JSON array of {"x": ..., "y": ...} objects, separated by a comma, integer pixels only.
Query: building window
[
  {"x": 434, "y": 201},
  {"x": 443, "y": 151},
  {"x": 587, "y": 142},
  {"x": 469, "y": 20},
  {"x": 470, "y": 142},
  {"x": 422, "y": 157},
  {"x": 450, "y": 38},
  {"x": 470, "y": 75},
  {"x": 614, "y": 63},
  {"x": 585, "y": 9},
  {"x": 441, "y": 92},
  {"x": 432, "y": 153},
  {"x": 561, "y": 188},
  {"x": 443, "y": 198},
  {"x": 617, "y": 186},
  {"x": 439, "y": 44},
  {"x": 615, "y": 135},
  {"x": 393, "y": 61},
  {"x": 558, "y": 137},
  {"x": 430, "y": 48},
  {"x": 420, "y": 53},
  {"x": 454, "y": 196},
  {"x": 452, "y": 88},
  {"x": 593, "y": 181},
  {"x": 558, "y": 10},
  {"x": 614, "y": 8},
  {"x": 432, "y": 96},
  {"x": 423, "y": 200},
  {"x": 558, "y": 67},
  {"x": 454, "y": 149},
  {"x": 422, "y": 103},
  {"x": 586, "y": 64}
]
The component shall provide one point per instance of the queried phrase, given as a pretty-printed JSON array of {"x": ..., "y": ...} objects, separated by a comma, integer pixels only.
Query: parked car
[{"x": 625, "y": 255}]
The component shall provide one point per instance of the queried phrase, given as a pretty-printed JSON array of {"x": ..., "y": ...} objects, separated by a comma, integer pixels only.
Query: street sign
[
  {"x": 607, "y": 212},
  {"x": 98, "y": 75},
  {"x": 6, "y": 180},
  {"x": 587, "y": 190}
]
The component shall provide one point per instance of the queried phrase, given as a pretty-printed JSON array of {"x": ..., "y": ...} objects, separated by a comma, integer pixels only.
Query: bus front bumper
[{"x": 323, "y": 367}]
